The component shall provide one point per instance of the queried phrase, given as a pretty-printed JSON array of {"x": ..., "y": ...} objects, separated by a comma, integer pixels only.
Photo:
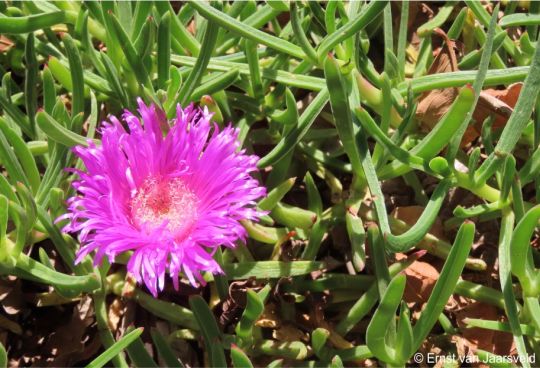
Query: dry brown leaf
[
  {"x": 128, "y": 289},
  {"x": 493, "y": 104},
  {"x": 233, "y": 306},
  {"x": 115, "y": 313},
  {"x": 421, "y": 278},
  {"x": 288, "y": 332},
  {"x": 469, "y": 340},
  {"x": 85, "y": 309},
  {"x": 496, "y": 342},
  {"x": 476, "y": 338},
  {"x": 128, "y": 319},
  {"x": 411, "y": 214},
  {"x": 434, "y": 104},
  {"x": 499, "y": 102}
]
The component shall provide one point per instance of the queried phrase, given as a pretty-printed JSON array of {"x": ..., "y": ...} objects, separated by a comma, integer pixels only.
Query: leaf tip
[
  {"x": 419, "y": 254},
  {"x": 290, "y": 234},
  {"x": 468, "y": 222},
  {"x": 207, "y": 99}
]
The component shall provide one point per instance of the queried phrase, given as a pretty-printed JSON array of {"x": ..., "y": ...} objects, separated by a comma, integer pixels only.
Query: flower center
[{"x": 171, "y": 201}]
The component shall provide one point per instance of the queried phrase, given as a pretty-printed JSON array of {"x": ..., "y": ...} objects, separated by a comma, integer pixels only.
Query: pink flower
[{"x": 172, "y": 198}]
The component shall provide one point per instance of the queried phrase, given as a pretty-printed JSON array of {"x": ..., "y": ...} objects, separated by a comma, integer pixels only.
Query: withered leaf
[
  {"x": 434, "y": 104},
  {"x": 499, "y": 343},
  {"x": 411, "y": 214},
  {"x": 288, "y": 332},
  {"x": 499, "y": 102},
  {"x": 115, "y": 313},
  {"x": 421, "y": 278}
]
